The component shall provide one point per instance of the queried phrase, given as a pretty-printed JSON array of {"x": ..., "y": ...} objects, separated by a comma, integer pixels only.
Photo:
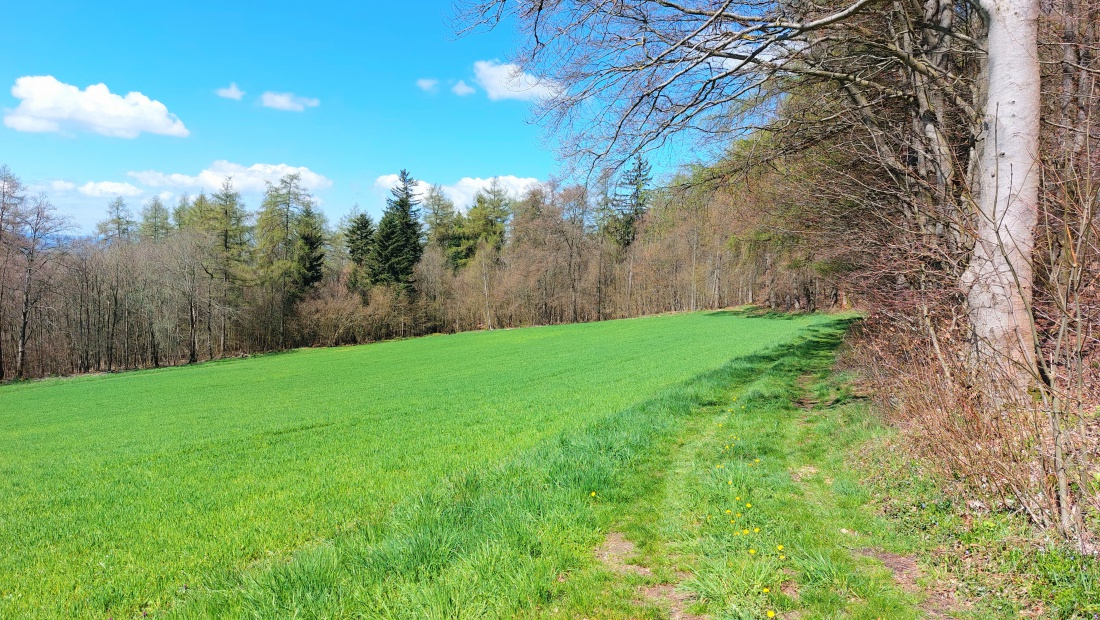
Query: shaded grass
[
  {"x": 124, "y": 493},
  {"x": 995, "y": 560}
]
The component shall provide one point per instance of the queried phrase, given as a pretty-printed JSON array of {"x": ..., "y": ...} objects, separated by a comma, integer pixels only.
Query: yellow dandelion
[
  {"x": 746, "y": 533},
  {"x": 748, "y": 505},
  {"x": 729, "y": 512},
  {"x": 730, "y": 482},
  {"x": 756, "y": 529},
  {"x": 782, "y": 557},
  {"x": 771, "y": 614},
  {"x": 779, "y": 547},
  {"x": 766, "y": 590},
  {"x": 752, "y": 551},
  {"x": 738, "y": 498},
  {"x": 757, "y": 461},
  {"x": 739, "y": 514},
  {"x": 593, "y": 494}
]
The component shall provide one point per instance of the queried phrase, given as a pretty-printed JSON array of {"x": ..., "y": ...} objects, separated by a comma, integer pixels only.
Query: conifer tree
[
  {"x": 120, "y": 224},
  {"x": 155, "y": 225},
  {"x": 309, "y": 249},
  {"x": 630, "y": 203},
  {"x": 360, "y": 238},
  {"x": 397, "y": 243}
]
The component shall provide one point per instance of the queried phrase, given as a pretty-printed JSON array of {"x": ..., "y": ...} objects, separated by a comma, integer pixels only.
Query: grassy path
[{"x": 756, "y": 512}]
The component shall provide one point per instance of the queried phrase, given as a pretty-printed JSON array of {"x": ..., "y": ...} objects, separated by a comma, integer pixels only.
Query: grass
[
  {"x": 473, "y": 476},
  {"x": 333, "y": 481}
]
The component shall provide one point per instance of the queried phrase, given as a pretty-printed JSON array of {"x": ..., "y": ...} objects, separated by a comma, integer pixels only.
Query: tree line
[{"x": 207, "y": 278}]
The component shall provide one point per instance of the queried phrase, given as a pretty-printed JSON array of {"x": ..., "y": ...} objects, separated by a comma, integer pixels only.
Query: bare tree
[{"x": 39, "y": 242}]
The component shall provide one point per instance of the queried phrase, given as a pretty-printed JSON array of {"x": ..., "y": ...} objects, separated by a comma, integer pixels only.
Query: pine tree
[{"x": 397, "y": 243}]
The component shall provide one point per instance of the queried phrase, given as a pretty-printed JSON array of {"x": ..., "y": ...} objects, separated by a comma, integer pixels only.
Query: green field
[{"x": 136, "y": 492}]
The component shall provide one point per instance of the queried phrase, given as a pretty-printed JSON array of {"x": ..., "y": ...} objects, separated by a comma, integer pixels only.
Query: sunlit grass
[{"x": 125, "y": 493}]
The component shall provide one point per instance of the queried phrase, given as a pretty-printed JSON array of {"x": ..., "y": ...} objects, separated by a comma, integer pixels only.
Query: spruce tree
[
  {"x": 360, "y": 238},
  {"x": 397, "y": 243},
  {"x": 630, "y": 203},
  {"x": 309, "y": 249}
]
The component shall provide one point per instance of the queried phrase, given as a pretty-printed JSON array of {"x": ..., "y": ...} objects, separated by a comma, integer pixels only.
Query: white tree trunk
[{"x": 998, "y": 280}]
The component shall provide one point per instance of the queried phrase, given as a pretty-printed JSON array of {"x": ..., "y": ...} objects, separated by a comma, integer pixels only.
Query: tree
[
  {"x": 309, "y": 250},
  {"x": 39, "y": 230},
  {"x": 120, "y": 225},
  {"x": 485, "y": 225},
  {"x": 630, "y": 204},
  {"x": 155, "y": 221},
  {"x": 276, "y": 245},
  {"x": 440, "y": 218},
  {"x": 397, "y": 244},
  {"x": 11, "y": 201},
  {"x": 360, "y": 238}
]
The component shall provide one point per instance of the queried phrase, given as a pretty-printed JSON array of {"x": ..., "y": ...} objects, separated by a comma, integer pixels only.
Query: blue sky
[{"x": 348, "y": 73}]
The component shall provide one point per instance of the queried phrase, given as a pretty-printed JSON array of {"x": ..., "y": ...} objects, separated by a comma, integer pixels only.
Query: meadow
[{"x": 169, "y": 490}]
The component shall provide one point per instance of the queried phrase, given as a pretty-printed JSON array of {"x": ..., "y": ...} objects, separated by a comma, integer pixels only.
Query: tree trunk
[
  {"x": 24, "y": 321},
  {"x": 998, "y": 279}
]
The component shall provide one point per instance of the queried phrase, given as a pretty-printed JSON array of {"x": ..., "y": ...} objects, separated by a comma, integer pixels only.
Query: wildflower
[
  {"x": 771, "y": 614},
  {"x": 738, "y": 498},
  {"x": 746, "y": 533},
  {"x": 738, "y": 514},
  {"x": 757, "y": 460},
  {"x": 779, "y": 547},
  {"x": 782, "y": 557},
  {"x": 748, "y": 505},
  {"x": 730, "y": 482},
  {"x": 752, "y": 551},
  {"x": 766, "y": 590},
  {"x": 729, "y": 512},
  {"x": 593, "y": 494},
  {"x": 756, "y": 530}
]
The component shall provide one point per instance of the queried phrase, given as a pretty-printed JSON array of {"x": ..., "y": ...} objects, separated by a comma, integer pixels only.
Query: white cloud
[
  {"x": 230, "y": 92},
  {"x": 62, "y": 186},
  {"x": 288, "y": 101},
  {"x": 462, "y": 193},
  {"x": 48, "y": 105},
  {"x": 109, "y": 188},
  {"x": 507, "y": 81},
  {"x": 462, "y": 89},
  {"x": 428, "y": 85},
  {"x": 251, "y": 179}
]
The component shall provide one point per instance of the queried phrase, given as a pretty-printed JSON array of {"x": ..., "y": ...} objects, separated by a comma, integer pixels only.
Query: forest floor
[{"x": 761, "y": 487}]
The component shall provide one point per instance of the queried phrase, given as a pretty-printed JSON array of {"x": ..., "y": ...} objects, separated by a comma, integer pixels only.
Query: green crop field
[{"x": 133, "y": 493}]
